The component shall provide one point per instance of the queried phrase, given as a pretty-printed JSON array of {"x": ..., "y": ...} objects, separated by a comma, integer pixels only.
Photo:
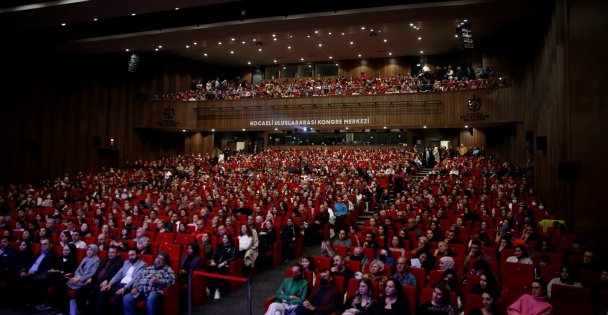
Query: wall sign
[{"x": 309, "y": 122}]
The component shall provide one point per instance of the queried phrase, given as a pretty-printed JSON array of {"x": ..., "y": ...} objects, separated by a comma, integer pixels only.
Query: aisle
[{"x": 264, "y": 284}]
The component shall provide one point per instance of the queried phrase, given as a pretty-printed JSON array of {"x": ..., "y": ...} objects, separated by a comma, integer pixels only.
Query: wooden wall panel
[{"x": 435, "y": 110}]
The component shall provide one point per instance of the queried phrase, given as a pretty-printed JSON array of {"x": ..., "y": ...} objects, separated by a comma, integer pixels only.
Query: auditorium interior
[{"x": 91, "y": 85}]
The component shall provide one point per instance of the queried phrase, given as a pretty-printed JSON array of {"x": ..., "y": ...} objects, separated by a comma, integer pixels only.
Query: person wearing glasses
[{"x": 535, "y": 303}]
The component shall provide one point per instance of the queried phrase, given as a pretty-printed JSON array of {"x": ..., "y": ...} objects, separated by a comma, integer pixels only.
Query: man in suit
[
  {"x": 324, "y": 299},
  {"x": 108, "y": 267},
  {"x": 115, "y": 287},
  {"x": 36, "y": 277}
]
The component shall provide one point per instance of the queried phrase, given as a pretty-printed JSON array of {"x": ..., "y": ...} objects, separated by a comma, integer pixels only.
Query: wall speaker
[
  {"x": 541, "y": 143},
  {"x": 529, "y": 136},
  {"x": 566, "y": 171},
  {"x": 96, "y": 141}
]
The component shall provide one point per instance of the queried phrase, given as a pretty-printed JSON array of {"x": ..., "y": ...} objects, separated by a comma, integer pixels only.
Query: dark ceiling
[{"x": 238, "y": 33}]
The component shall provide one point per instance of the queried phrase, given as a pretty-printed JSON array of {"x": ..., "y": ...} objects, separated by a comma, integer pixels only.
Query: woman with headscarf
[
  {"x": 446, "y": 262},
  {"x": 59, "y": 276},
  {"x": 190, "y": 261},
  {"x": 86, "y": 269}
]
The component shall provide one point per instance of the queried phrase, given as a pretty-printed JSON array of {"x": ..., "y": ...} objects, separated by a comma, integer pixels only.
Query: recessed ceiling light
[
  {"x": 248, "y": 62},
  {"x": 290, "y": 36},
  {"x": 331, "y": 57},
  {"x": 316, "y": 32},
  {"x": 232, "y": 39},
  {"x": 466, "y": 20},
  {"x": 219, "y": 43},
  {"x": 346, "y": 128},
  {"x": 195, "y": 43},
  {"x": 329, "y": 33},
  {"x": 205, "y": 54},
  {"x": 183, "y": 130},
  {"x": 424, "y": 126},
  {"x": 243, "y": 129},
  {"x": 302, "y": 59},
  {"x": 187, "y": 46},
  {"x": 419, "y": 38},
  {"x": 385, "y": 40},
  {"x": 62, "y": 24},
  {"x": 342, "y": 33},
  {"x": 155, "y": 49},
  {"x": 288, "y": 47},
  {"x": 390, "y": 53},
  {"x": 411, "y": 24},
  {"x": 274, "y": 39},
  {"x": 352, "y": 43},
  {"x": 95, "y": 20},
  {"x": 275, "y": 129},
  {"x": 274, "y": 35},
  {"x": 384, "y": 127},
  {"x": 259, "y": 49},
  {"x": 255, "y": 40},
  {"x": 243, "y": 42},
  {"x": 320, "y": 45},
  {"x": 212, "y": 130},
  {"x": 359, "y": 55},
  {"x": 275, "y": 61},
  {"x": 232, "y": 52},
  {"x": 466, "y": 126},
  {"x": 307, "y": 36},
  {"x": 160, "y": 46},
  {"x": 176, "y": 9},
  {"x": 422, "y": 51},
  {"x": 363, "y": 27},
  {"x": 456, "y": 36},
  {"x": 127, "y": 49},
  {"x": 132, "y": 14}
]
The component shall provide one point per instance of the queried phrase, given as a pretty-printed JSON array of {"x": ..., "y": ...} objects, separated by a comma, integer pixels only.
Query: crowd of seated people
[
  {"x": 488, "y": 209},
  {"x": 362, "y": 85},
  {"x": 158, "y": 208}
]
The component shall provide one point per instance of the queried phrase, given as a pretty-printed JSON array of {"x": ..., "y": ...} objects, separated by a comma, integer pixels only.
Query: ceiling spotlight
[
  {"x": 422, "y": 52},
  {"x": 232, "y": 52},
  {"x": 95, "y": 20},
  {"x": 419, "y": 38},
  {"x": 195, "y": 43},
  {"x": 62, "y": 24},
  {"x": 127, "y": 49},
  {"x": 205, "y": 54},
  {"x": 187, "y": 46},
  {"x": 249, "y": 62},
  {"x": 385, "y": 40},
  {"x": 232, "y": 39},
  {"x": 132, "y": 14},
  {"x": 176, "y": 9}
]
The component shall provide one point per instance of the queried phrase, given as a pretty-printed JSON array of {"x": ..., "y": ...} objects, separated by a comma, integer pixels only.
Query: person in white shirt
[
  {"x": 565, "y": 278},
  {"x": 520, "y": 256}
]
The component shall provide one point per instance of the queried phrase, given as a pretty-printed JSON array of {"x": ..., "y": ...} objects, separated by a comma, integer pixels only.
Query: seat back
[{"x": 570, "y": 300}]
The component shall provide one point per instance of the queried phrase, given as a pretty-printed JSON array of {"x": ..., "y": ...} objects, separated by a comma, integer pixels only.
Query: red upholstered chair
[
  {"x": 166, "y": 237},
  {"x": 420, "y": 275},
  {"x": 322, "y": 262},
  {"x": 434, "y": 277},
  {"x": 472, "y": 301},
  {"x": 353, "y": 265},
  {"x": 352, "y": 288},
  {"x": 341, "y": 250},
  {"x": 517, "y": 271},
  {"x": 410, "y": 294},
  {"x": 184, "y": 239},
  {"x": 514, "y": 288},
  {"x": 570, "y": 300}
]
